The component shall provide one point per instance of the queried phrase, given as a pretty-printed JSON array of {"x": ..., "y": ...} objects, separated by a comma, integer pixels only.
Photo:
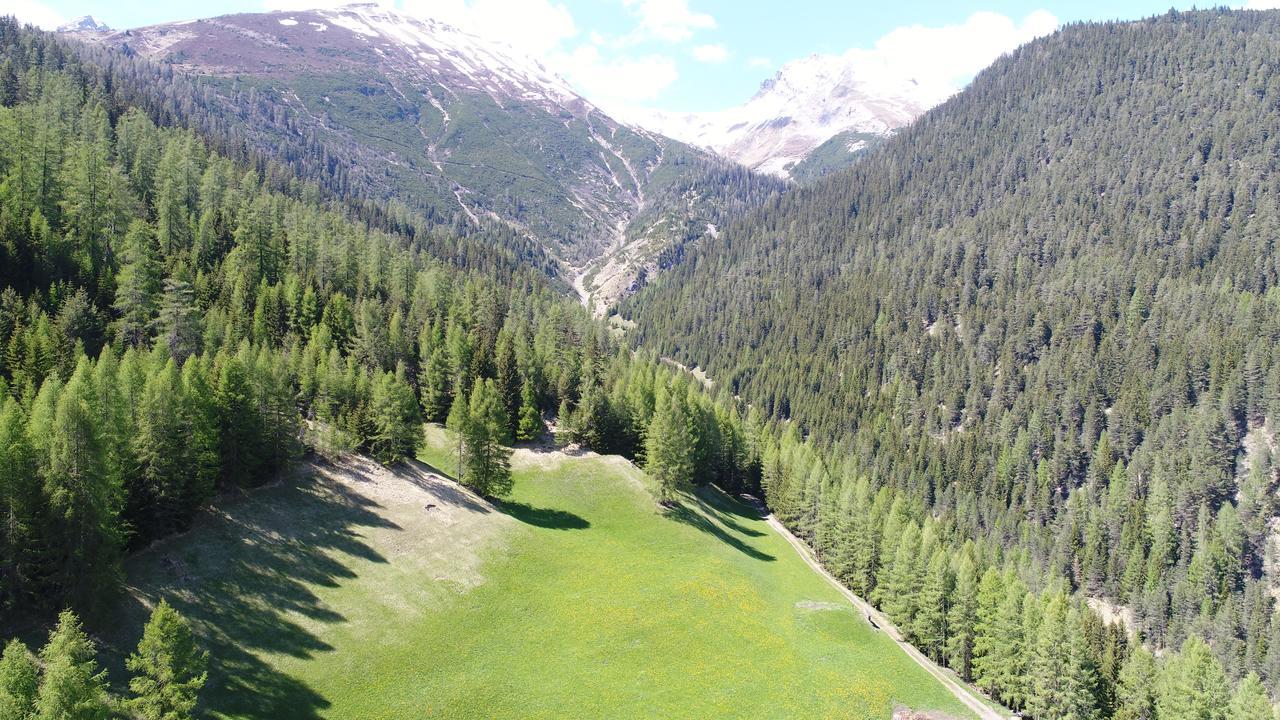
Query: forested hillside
[
  {"x": 174, "y": 326},
  {"x": 1035, "y": 335}
]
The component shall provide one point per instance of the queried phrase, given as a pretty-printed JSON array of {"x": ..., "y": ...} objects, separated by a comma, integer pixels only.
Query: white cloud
[
  {"x": 945, "y": 58},
  {"x": 758, "y": 63},
  {"x": 618, "y": 82},
  {"x": 668, "y": 20},
  {"x": 711, "y": 53},
  {"x": 30, "y": 11},
  {"x": 537, "y": 27}
]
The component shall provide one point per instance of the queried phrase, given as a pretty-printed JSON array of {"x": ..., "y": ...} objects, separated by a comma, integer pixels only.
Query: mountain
[
  {"x": 807, "y": 103},
  {"x": 84, "y": 23},
  {"x": 464, "y": 131},
  {"x": 1043, "y": 315}
]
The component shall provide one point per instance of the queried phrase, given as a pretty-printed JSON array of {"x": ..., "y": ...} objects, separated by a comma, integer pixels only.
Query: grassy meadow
[{"x": 342, "y": 595}]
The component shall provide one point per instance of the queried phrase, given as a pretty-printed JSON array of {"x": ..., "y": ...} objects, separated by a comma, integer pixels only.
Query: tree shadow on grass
[
  {"x": 725, "y": 509},
  {"x": 433, "y": 480},
  {"x": 244, "y": 578},
  {"x": 550, "y": 518},
  {"x": 682, "y": 513}
]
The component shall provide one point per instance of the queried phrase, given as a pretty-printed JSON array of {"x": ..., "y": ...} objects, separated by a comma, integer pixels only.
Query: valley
[
  {"x": 356, "y": 363},
  {"x": 353, "y": 590}
]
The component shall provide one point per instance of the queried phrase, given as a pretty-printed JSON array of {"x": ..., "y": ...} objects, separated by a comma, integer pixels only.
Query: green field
[{"x": 343, "y": 596}]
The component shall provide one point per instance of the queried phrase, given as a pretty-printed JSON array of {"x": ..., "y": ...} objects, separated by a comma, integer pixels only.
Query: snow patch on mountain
[
  {"x": 84, "y": 23},
  {"x": 490, "y": 65},
  {"x": 806, "y": 104}
]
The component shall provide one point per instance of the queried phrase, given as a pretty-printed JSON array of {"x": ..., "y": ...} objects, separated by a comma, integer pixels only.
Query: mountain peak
[
  {"x": 84, "y": 23},
  {"x": 805, "y": 104}
]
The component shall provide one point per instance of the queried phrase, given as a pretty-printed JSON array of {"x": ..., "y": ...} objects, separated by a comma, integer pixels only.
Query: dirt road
[{"x": 962, "y": 693}]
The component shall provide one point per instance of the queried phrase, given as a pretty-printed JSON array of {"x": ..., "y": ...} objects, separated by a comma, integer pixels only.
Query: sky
[{"x": 692, "y": 55}]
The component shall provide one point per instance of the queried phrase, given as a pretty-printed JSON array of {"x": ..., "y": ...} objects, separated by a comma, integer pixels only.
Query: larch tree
[
  {"x": 82, "y": 499},
  {"x": 168, "y": 668},
  {"x": 459, "y": 422},
  {"x": 529, "y": 427},
  {"x": 137, "y": 285},
  {"x": 669, "y": 449},
  {"x": 1192, "y": 686},
  {"x": 1136, "y": 687},
  {"x": 19, "y": 682},
  {"x": 487, "y": 460},
  {"x": 72, "y": 687}
]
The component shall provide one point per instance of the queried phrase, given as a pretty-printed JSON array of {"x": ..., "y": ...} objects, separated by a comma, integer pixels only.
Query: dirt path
[{"x": 962, "y": 693}]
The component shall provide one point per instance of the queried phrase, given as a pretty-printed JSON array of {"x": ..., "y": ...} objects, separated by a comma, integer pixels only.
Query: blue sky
[{"x": 690, "y": 55}]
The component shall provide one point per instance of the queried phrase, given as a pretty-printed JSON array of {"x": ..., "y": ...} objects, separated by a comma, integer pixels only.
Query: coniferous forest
[
  {"x": 1027, "y": 349},
  {"x": 1013, "y": 376},
  {"x": 177, "y": 327}
]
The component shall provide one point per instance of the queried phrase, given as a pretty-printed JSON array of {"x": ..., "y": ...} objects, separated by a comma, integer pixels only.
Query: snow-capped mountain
[
  {"x": 807, "y": 103},
  {"x": 84, "y": 23},
  {"x": 468, "y": 132}
]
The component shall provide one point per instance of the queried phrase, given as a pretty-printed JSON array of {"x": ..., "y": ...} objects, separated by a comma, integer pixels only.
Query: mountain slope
[
  {"x": 807, "y": 103},
  {"x": 1046, "y": 311},
  {"x": 468, "y": 132}
]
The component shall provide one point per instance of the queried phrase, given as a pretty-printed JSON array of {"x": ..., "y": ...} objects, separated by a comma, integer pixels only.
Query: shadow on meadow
[
  {"x": 550, "y": 518},
  {"x": 433, "y": 480},
  {"x": 243, "y": 578},
  {"x": 721, "y": 511},
  {"x": 724, "y": 509}
]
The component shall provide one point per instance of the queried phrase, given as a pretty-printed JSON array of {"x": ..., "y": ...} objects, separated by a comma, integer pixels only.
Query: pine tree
[
  {"x": 1192, "y": 686},
  {"x": 82, "y": 497},
  {"x": 530, "y": 425},
  {"x": 19, "y": 682},
  {"x": 179, "y": 320},
  {"x": 1060, "y": 683},
  {"x": 1250, "y": 701},
  {"x": 434, "y": 386},
  {"x": 20, "y": 500},
  {"x": 137, "y": 285},
  {"x": 72, "y": 687},
  {"x": 168, "y": 668},
  {"x": 930, "y": 625},
  {"x": 669, "y": 449},
  {"x": 962, "y": 619},
  {"x": 460, "y": 423},
  {"x": 1136, "y": 689},
  {"x": 488, "y": 462},
  {"x": 902, "y": 587},
  {"x": 395, "y": 418},
  {"x": 239, "y": 424}
]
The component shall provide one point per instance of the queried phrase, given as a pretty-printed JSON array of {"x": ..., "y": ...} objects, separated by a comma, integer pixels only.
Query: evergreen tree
[
  {"x": 179, "y": 320},
  {"x": 239, "y": 425},
  {"x": 168, "y": 668},
  {"x": 488, "y": 471},
  {"x": 1136, "y": 689},
  {"x": 72, "y": 687},
  {"x": 434, "y": 384},
  {"x": 530, "y": 425},
  {"x": 1250, "y": 701},
  {"x": 1192, "y": 686},
  {"x": 20, "y": 500},
  {"x": 395, "y": 418},
  {"x": 82, "y": 498},
  {"x": 962, "y": 618},
  {"x": 669, "y": 449},
  {"x": 19, "y": 681},
  {"x": 460, "y": 423},
  {"x": 137, "y": 285}
]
